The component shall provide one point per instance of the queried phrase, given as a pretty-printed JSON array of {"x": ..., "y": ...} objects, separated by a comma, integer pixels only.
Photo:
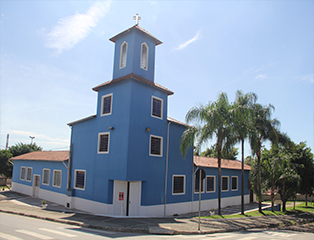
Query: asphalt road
[{"x": 15, "y": 227}]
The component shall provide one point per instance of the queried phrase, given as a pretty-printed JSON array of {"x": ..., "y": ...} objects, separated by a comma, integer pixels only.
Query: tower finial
[{"x": 136, "y": 18}]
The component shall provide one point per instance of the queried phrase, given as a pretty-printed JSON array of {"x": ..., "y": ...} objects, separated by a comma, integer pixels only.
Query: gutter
[{"x": 166, "y": 174}]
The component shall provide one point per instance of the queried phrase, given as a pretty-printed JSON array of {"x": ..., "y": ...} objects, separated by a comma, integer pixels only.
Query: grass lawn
[
  {"x": 298, "y": 209},
  {"x": 4, "y": 187}
]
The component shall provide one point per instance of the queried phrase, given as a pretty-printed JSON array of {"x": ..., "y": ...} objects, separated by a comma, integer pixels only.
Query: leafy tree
[
  {"x": 13, "y": 151},
  {"x": 249, "y": 160},
  {"x": 215, "y": 118},
  {"x": 5, "y": 166},
  {"x": 302, "y": 159},
  {"x": 242, "y": 114},
  {"x": 212, "y": 152}
]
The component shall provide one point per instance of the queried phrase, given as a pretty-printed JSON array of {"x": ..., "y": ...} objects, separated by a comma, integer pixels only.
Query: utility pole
[{"x": 32, "y": 139}]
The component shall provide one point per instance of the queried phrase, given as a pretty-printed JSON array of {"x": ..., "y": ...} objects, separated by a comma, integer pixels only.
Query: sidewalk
[{"x": 16, "y": 203}]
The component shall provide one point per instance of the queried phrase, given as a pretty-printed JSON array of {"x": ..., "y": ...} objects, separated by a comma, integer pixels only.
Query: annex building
[{"x": 125, "y": 160}]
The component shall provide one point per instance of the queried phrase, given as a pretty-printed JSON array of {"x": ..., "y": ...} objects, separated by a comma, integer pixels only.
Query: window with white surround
[
  {"x": 29, "y": 174},
  {"x": 234, "y": 183},
  {"x": 144, "y": 56},
  {"x": 57, "y": 178},
  {"x": 123, "y": 54},
  {"x": 157, "y": 106},
  {"x": 210, "y": 183},
  {"x": 103, "y": 142},
  {"x": 197, "y": 184},
  {"x": 178, "y": 184},
  {"x": 106, "y": 105},
  {"x": 155, "y": 146},
  {"x": 22, "y": 173},
  {"x": 80, "y": 179},
  {"x": 225, "y": 183},
  {"x": 46, "y": 176}
]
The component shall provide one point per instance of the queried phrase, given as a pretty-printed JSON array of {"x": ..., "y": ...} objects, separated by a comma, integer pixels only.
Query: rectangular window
[
  {"x": 22, "y": 173},
  {"x": 157, "y": 104},
  {"x": 225, "y": 184},
  {"x": 57, "y": 178},
  {"x": 178, "y": 184},
  {"x": 234, "y": 183},
  {"x": 210, "y": 184},
  {"x": 29, "y": 174},
  {"x": 106, "y": 104},
  {"x": 46, "y": 176},
  {"x": 103, "y": 142},
  {"x": 197, "y": 184},
  {"x": 155, "y": 146},
  {"x": 80, "y": 179}
]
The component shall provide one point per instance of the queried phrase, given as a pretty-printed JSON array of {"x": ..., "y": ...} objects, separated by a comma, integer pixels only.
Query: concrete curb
[{"x": 163, "y": 231}]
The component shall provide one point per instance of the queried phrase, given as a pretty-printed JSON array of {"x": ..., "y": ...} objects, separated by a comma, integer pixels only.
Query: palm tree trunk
[
  {"x": 242, "y": 179},
  {"x": 259, "y": 193},
  {"x": 272, "y": 198},
  {"x": 219, "y": 178}
]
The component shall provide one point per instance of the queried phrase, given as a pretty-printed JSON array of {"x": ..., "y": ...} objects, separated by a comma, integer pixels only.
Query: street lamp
[{"x": 32, "y": 139}]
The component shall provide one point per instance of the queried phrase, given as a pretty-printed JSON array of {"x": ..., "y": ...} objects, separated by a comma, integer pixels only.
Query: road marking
[
  {"x": 247, "y": 238},
  {"x": 37, "y": 235},
  {"x": 9, "y": 237},
  {"x": 221, "y": 237},
  {"x": 57, "y": 232}
]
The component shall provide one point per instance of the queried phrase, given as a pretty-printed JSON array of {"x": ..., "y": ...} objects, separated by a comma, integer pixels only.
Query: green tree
[
  {"x": 5, "y": 166},
  {"x": 242, "y": 114},
  {"x": 212, "y": 152},
  {"x": 302, "y": 159},
  {"x": 211, "y": 120}
]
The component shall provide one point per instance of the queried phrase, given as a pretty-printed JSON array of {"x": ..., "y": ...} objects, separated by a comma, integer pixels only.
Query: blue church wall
[
  {"x": 37, "y": 169},
  {"x": 177, "y": 165},
  {"x": 224, "y": 194},
  {"x": 134, "y": 39}
]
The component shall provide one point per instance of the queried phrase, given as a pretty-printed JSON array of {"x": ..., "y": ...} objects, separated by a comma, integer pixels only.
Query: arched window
[
  {"x": 123, "y": 54},
  {"x": 144, "y": 56}
]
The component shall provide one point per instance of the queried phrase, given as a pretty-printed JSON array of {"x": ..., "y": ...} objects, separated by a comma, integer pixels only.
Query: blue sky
[{"x": 53, "y": 53}]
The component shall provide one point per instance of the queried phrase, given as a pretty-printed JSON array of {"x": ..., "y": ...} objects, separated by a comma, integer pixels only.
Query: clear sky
[{"x": 54, "y": 52}]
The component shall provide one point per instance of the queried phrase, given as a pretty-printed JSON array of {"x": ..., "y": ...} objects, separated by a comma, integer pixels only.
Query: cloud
[
  {"x": 73, "y": 29},
  {"x": 260, "y": 76},
  {"x": 187, "y": 43},
  {"x": 309, "y": 77}
]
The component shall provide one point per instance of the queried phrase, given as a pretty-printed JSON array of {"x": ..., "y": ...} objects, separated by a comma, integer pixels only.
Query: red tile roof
[
  {"x": 135, "y": 77},
  {"x": 213, "y": 163},
  {"x": 57, "y": 156},
  {"x": 176, "y": 121},
  {"x": 157, "y": 42}
]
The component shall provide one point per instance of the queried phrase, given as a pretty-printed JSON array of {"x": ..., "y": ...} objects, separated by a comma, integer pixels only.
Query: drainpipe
[
  {"x": 69, "y": 171},
  {"x": 166, "y": 175}
]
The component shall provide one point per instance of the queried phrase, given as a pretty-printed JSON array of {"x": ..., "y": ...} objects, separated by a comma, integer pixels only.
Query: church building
[{"x": 125, "y": 160}]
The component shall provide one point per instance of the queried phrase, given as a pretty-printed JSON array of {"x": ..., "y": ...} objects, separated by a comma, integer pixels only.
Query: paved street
[{"x": 14, "y": 227}]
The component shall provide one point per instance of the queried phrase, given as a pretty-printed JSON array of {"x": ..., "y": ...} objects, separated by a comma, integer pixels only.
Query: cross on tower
[{"x": 136, "y": 18}]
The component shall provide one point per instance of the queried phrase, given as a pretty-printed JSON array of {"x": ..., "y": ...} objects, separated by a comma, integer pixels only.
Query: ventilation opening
[{"x": 68, "y": 205}]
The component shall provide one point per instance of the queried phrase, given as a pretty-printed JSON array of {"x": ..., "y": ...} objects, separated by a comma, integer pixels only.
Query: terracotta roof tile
[
  {"x": 57, "y": 156},
  {"x": 157, "y": 42},
  {"x": 135, "y": 77},
  {"x": 213, "y": 163},
  {"x": 177, "y": 122}
]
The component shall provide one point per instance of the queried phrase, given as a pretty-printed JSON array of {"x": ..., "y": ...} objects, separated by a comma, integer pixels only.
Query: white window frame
[
  {"x": 183, "y": 193},
  {"x": 161, "y": 146},
  {"x": 79, "y": 170},
  {"x": 23, "y": 179},
  {"x": 214, "y": 183},
  {"x": 146, "y": 63},
  {"x": 98, "y": 144},
  {"x": 162, "y": 107},
  {"x": 200, "y": 186},
  {"x": 29, "y": 180},
  {"x": 237, "y": 183},
  {"x": 121, "y": 65},
  {"x": 227, "y": 183},
  {"x": 102, "y": 105},
  {"x": 43, "y": 183},
  {"x": 53, "y": 179}
]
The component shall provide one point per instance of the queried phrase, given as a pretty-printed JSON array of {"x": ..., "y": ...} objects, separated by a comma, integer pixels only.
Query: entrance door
[
  {"x": 36, "y": 185},
  {"x": 126, "y": 198}
]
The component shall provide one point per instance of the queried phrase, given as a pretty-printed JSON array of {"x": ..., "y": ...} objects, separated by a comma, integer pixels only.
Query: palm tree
[
  {"x": 241, "y": 120},
  {"x": 213, "y": 119},
  {"x": 263, "y": 128}
]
